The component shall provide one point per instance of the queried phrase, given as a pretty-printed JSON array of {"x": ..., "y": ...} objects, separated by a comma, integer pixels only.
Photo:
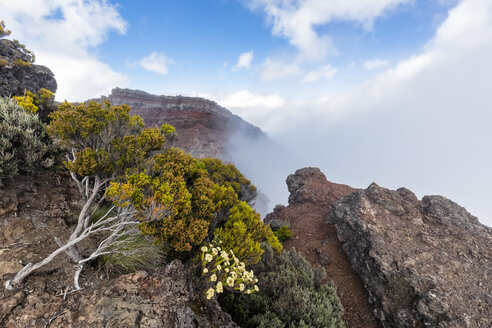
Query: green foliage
[
  {"x": 229, "y": 176},
  {"x": 283, "y": 234},
  {"x": 3, "y": 30},
  {"x": 105, "y": 139},
  {"x": 222, "y": 270},
  {"x": 244, "y": 231},
  {"x": 290, "y": 295},
  {"x": 22, "y": 63},
  {"x": 3, "y": 62},
  {"x": 175, "y": 200},
  {"x": 41, "y": 102},
  {"x": 24, "y": 143}
]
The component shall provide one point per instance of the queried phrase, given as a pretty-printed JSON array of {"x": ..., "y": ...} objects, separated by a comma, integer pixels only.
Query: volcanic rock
[
  {"x": 16, "y": 79},
  {"x": 425, "y": 263},
  {"x": 311, "y": 196},
  {"x": 204, "y": 129}
]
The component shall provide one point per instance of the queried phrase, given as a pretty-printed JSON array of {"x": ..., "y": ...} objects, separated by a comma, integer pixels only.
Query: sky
[{"x": 396, "y": 92}]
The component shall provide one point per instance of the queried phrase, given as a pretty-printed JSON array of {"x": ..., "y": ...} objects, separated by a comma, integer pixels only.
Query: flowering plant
[{"x": 222, "y": 270}]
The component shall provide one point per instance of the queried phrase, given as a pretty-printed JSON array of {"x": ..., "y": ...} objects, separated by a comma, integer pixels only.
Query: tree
[{"x": 104, "y": 143}]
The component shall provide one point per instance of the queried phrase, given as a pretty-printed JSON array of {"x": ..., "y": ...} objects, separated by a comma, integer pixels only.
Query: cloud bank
[{"x": 423, "y": 124}]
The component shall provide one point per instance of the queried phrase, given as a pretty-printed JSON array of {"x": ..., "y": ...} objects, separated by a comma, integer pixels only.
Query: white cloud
[
  {"x": 245, "y": 98},
  {"x": 273, "y": 69},
  {"x": 375, "y": 64},
  {"x": 156, "y": 62},
  {"x": 423, "y": 124},
  {"x": 63, "y": 34},
  {"x": 297, "y": 20},
  {"x": 244, "y": 60},
  {"x": 324, "y": 72}
]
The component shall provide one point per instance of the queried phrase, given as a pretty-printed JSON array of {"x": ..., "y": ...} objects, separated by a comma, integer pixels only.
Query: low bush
[
  {"x": 24, "y": 142},
  {"x": 21, "y": 63},
  {"x": 291, "y": 294}
]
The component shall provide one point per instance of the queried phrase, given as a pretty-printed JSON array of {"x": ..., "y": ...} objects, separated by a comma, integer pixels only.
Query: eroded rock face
[
  {"x": 16, "y": 79},
  {"x": 203, "y": 127},
  {"x": 424, "y": 263},
  {"x": 311, "y": 196}
]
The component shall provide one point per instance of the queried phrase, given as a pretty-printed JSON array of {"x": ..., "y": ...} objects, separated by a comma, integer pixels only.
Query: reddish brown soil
[{"x": 317, "y": 240}]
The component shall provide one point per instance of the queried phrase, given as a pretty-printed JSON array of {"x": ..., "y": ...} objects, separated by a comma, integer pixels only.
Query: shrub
[
  {"x": 222, "y": 270},
  {"x": 175, "y": 200},
  {"x": 3, "y": 62},
  {"x": 3, "y": 30},
  {"x": 291, "y": 294},
  {"x": 229, "y": 176},
  {"x": 20, "y": 62},
  {"x": 41, "y": 102},
  {"x": 24, "y": 142},
  {"x": 244, "y": 231},
  {"x": 283, "y": 234}
]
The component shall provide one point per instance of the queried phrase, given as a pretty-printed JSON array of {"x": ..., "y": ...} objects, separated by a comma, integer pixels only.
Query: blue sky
[{"x": 392, "y": 91}]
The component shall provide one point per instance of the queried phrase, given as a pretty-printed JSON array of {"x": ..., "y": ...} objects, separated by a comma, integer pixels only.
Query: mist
[{"x": 424, "y": 124}]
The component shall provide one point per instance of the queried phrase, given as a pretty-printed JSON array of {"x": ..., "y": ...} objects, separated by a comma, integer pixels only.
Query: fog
[{"x": 425, "y": 124}]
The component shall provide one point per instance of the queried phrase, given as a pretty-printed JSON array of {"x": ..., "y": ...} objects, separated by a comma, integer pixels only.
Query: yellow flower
[
  {"x": 224, "y": 256},
  {"x": 210, "y": 293},
  {"x": 213, "y": 277},
  {"x": 257, "y": 288},
  {"x": 205, "y": 270},
  {"x": 208, "y": 258},
  {"x": 215, "y": 251},
  {"x": 204, "y": 249},
  {"x": 230, "y": 281},
  {"x": 219, "y": 287},
  {"x": 248, "y": 291},
  {"x": 233, "y": 275},
  {"x": 241, "y": 287},
  {"x": 219, "y": 267},
  {"x": 227, "y": 270}
]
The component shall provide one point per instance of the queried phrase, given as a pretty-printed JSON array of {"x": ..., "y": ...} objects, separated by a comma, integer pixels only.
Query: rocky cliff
[
  {"x": 418, "y": 263},
  {"x": 425, "y": 263},
  {"x": 204, "y": 128},
  {"x": 15, "y": 79}
]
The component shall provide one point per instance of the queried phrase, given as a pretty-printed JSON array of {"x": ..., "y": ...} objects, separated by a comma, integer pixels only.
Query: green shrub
[
  {"x": 283, "y": 234},
  {"x": 42, "y": 103},
  {"x": 3, "y": 62},
  {"x": 20, "y": 62},
  {"x": 3, "y": 30},
  {"x": 291, "y": 294},
  {"x": 244, "y": 231},
  {"x": 24, "y": 142},
  {"x": 226, "y": 174}
]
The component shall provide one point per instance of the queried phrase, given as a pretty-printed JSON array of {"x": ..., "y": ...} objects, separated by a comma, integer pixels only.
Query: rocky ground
[
  {"x": 34, "y": 210},
  {"x": 425, "y": 263},
  {"x": 311, "y": 196}
]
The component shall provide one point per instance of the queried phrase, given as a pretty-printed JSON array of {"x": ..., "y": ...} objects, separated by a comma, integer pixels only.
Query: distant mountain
[{"x": 203, "y": 127}]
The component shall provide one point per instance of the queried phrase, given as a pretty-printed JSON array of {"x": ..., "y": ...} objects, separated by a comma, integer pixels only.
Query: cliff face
[
  {"x": 419, "y": 263},
  {"x": 203, "y": 127},
  {"x": 425, "y": 263},
  {"x": 15, "y": 79}
]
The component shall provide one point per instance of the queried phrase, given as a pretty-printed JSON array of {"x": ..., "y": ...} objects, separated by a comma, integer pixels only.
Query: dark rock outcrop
[
  {"x": 424, "y": 263},
  {"x": 311, "y": 196},
  {"x": 16, "y": 79},
  {"x": 203, "y": 128}
]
